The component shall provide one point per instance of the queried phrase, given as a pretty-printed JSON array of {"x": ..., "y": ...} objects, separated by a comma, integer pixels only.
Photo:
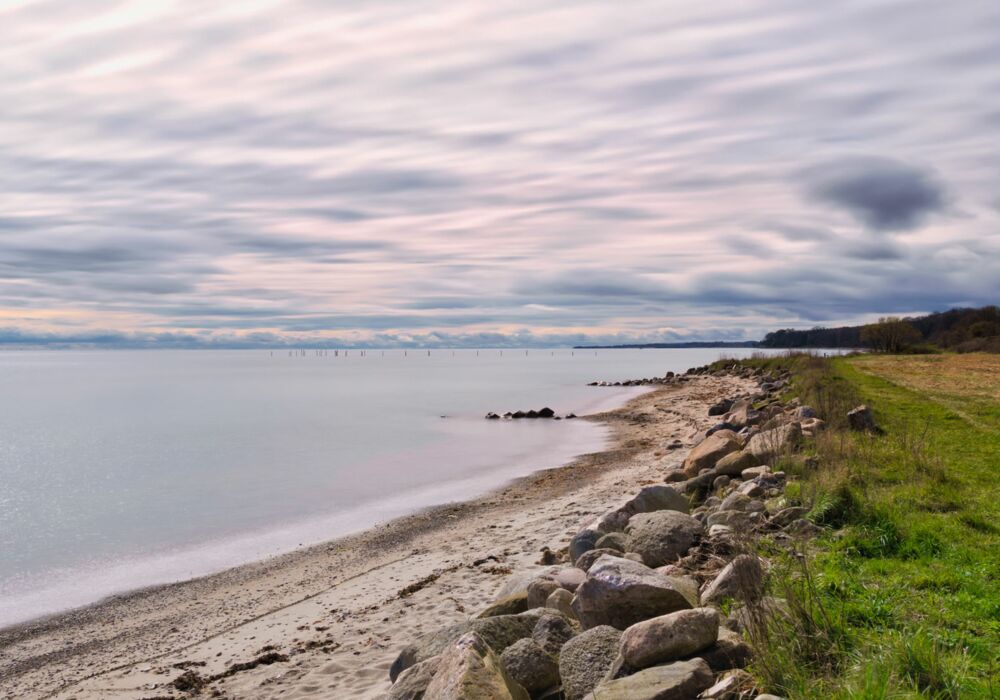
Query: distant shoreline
[{"x": 674, "y": 346}]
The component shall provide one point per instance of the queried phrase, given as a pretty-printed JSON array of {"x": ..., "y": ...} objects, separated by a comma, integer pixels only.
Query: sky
[{"x": 387, "y": 173}]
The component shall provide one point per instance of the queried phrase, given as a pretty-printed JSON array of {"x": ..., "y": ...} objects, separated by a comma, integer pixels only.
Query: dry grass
[{"x": 976, "y": 375}]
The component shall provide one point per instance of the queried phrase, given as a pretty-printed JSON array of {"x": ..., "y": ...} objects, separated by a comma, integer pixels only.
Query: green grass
[{"x": 902, "y": 589}]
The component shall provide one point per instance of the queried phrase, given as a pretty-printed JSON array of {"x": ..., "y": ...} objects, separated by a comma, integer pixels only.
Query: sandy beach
[{"x": 327, "y": 621}]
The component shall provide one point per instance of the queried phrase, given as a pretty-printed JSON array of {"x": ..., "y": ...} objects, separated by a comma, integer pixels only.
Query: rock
[
  {"x": 681, "y": 680},
  {"x": 518, "y": 582},
  {"x": 734, "y": 685},
  {"x": 788, "y": 515},
  {"x": 539, "y": 591},
  {"x": 720, "y": 482},
  {"x": 546, "y": 413},
  {"x": 612, "y": 540},
  {"x": 735, "y": 501},
  {"x": 587, "y": 559},
  {"x": 634, "y": 556},
  {"x": 648, "y": 500},
  {"x": 509, "y": 605},
  {"x": 741, "y": 579},
  {"x": 813, "y": 425},
  {"x": 561, "y": 600},
  {"x": 620, "y": 592},
  {"x": 412, "y": 683},
  {"x": 570, "y": 578},
  {"x": 734, "y": 463},
  {"x": 803, "y": 412},
  {"x": 801, "y": 528},
  {"x": 718, "y": 409},
  {"x": 492, "y": 416},
  {"x": 768, "y": 696},
  {"x": 662, "y": 537},
  {"x": 778, "y": 441},
  {"x": 583, "y": 541},
  {"x": 709, "y": 451},
  {"x": 862, "y": 419},
  {"x": 548, "y": 557},
  {"x": 716, "y": 531},
  {"x": 427, "y": 646},
  {"x": 743, "y": 414},
  {"x": 530, "y": 666},
  {"x": 737, "y": 520},
  {"x": 750, "y": 489},
  {"x": 755, "y": 472},
  {"x": 675, "y": 475},
  {"x": 720, "y": 426},
  {"x": 730, "y": 651},
  {"x": 585, "y": 659},
  {"x": 669, "y": 637},
  {"x": 551, "y": 632},
  {"x": 469, "y": 668}
]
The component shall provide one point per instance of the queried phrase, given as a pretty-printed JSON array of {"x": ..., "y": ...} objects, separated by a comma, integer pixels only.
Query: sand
[{"x": 331, "y": 618}]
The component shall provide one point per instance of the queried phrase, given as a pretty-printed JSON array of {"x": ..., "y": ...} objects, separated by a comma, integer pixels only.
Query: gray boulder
[
  {"x": 662, "y": 537},
  {"x": 509, "y": 605},
  {"x": 741, "y": 579},
  {"x": 583, "y": 541},
  {"x": 562, "y": 601},
  {"x": 427, "y": 646},
  {"x": 681, "y": 680},
  {"x": 730, "y": 651},
  {"x": 518, "y": 582},
  {"x": 774, "y": 442},
  {"x": 862, "y": 419},
  {"x": 734, "y": 463},
  {"x": 620, "y": 592},
  {"x": 412, "y": 683},
  {"x": 612, "y": 540},
  {"x": 551, "y": 632},
  {"x": 669, "y": 637},
  {"x": 469, "y": 668},
  {"x": 539, "y": 591},
  {"x": 586, "y": 658},
  {"x": 530, "y": 666},
  {"x": 587, "y": 559},
  {"x": 709, "y": 451}
]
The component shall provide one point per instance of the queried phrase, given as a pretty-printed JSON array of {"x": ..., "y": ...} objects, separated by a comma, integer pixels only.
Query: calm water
[{"x": 124, "y": 469}]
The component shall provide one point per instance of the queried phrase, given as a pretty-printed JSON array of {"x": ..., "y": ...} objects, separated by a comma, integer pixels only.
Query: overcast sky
[{"x": 485, "y": 173}]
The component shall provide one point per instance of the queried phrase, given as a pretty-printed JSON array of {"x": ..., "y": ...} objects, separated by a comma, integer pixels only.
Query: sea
[{"x": 122, "y": 469}]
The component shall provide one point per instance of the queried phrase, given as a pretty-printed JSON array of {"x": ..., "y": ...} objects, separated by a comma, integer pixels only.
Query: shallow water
[{"x": 121, "y": 469}]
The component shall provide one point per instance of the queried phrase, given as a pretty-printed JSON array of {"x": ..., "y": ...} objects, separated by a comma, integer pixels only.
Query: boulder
[
  {"x": 730, "y": 651},
  {"x": 620, "y": 592},
  {"x": 648, "y": 500},
  {"x": 585, "y": 659},
  {"x": 741, "y": 579},
  {"x": 612, "y": 540},
  {"x": 735, "y": 501},
  {"x": 720, "y": 408},
  {"x": 755, "y": 472},
  {"x": 412, "y": 683},
  {"x": 743, "y": 414},
  {"x": 587, "y": 559},
  {"x": 786, "y": 516},
  {"x": 518, "y": 582},
  {"x": 803, "y": 412},
  {"x": 583, "y": 541},
  {"x": 662, "y": 537},
  {"x": 570, "y": 578},
  {"x": 561, "y": 600},
  {"x": 530, "y": 666},
  {"x": 551, "y": 632},
  {"x": 511, "y": 605},
  {"x": 546, "y": 413},
  {"x": 750, "y": 489},
  {"x": 862, "y": 419},
  {"x": 669, "y": 637},
  {"x": 427, "y": 646},
  {"x": 539, "y": 591},
  {"x": 737, "y": 520},
  {"x": 709, "y": 451},
  {"x": 469, "y": 668},
  {"x": 734, "y": 463},
  {"x": 777, "y": 441},
  {"x": 681, "y": 680}
]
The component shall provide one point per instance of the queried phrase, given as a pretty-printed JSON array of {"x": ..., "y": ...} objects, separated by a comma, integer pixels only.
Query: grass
[{"x": 900, "y": 595}]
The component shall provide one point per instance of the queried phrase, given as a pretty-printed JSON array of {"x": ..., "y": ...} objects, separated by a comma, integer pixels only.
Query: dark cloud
[{"x": 885, "y": 195}]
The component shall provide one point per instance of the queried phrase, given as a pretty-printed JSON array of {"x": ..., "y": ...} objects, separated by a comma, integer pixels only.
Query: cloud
[
  {"x": 491, "y": 173},
  {"x": 883, "y": 194}
]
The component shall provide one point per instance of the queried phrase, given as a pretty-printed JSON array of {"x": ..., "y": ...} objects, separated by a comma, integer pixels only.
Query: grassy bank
[{"x": 899, "y": 596}]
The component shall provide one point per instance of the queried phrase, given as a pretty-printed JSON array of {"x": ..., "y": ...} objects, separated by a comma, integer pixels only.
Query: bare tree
[{"x": 891, "y": 334}]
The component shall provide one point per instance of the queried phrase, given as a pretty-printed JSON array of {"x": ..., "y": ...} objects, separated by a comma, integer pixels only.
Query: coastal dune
[{"x": 328, "y": 621}]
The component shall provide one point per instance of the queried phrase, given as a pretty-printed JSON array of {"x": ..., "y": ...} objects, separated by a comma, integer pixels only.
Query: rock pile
[{"x": 635, "y": 608}]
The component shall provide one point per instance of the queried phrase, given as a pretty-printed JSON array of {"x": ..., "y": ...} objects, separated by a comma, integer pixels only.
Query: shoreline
[
  {"x": 216, "y": 556},
  {"x": 126, "y": 646}
]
